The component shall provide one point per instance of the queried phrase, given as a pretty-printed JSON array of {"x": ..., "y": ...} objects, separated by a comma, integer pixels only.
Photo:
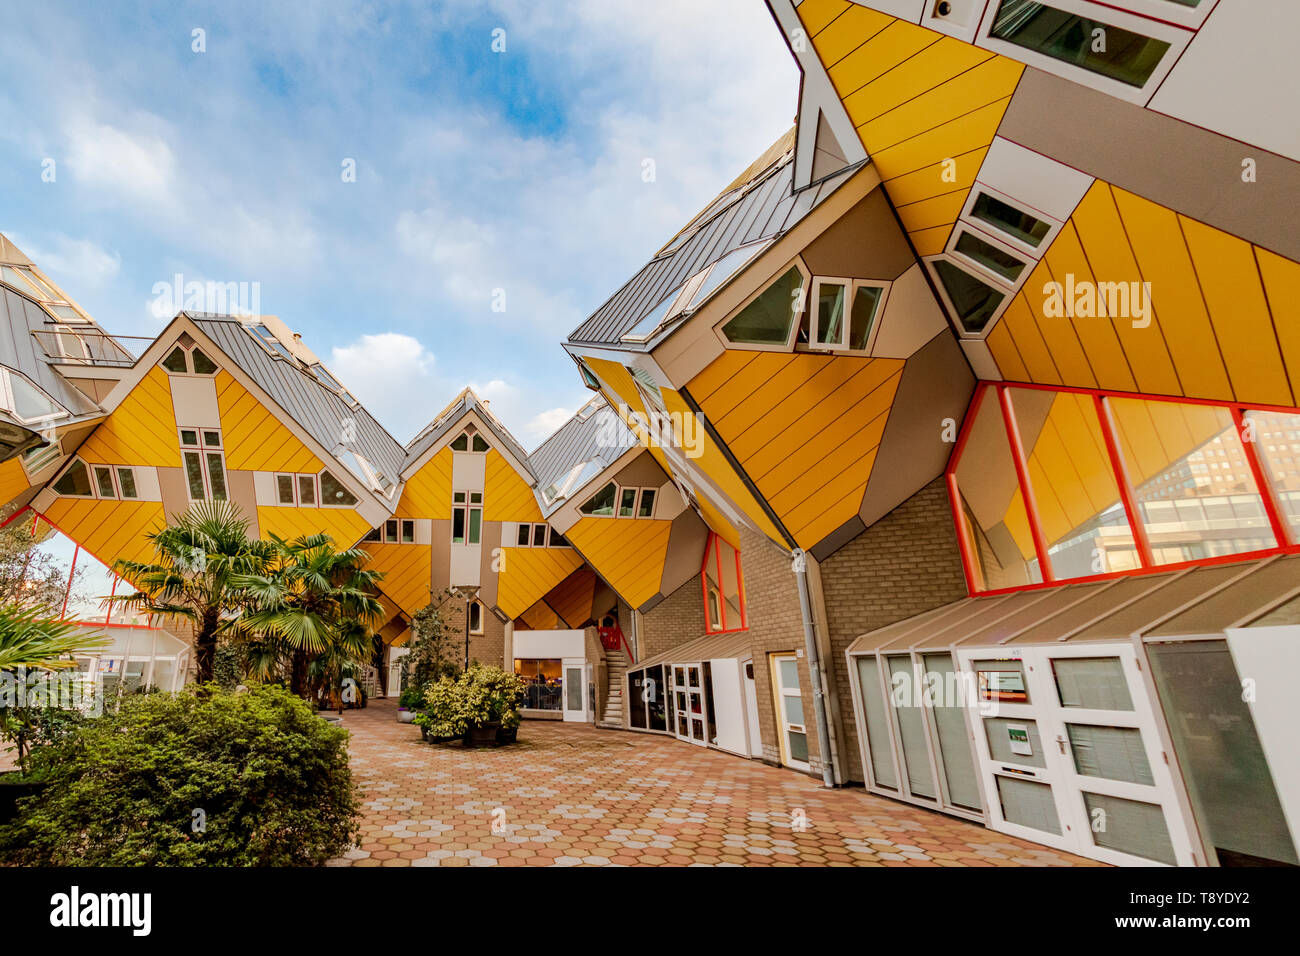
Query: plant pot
[
  {"x": 13, "y": 789},
  {"x": 405, "y": 716},
  {"x": 483, "y": 736},
  {"x": 508, "y": 735}
]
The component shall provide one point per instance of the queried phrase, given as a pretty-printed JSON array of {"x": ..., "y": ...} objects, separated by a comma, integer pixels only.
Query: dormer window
[
  {"x": 188, "y": 359},
  {"x": 470, "y": 440},
  {"x": 269, "y": 340},
  {"x": 26, "y": 401}
]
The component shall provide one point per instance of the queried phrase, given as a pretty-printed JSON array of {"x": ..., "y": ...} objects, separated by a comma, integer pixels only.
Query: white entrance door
[
  {"x": 688, "y": 700},
  {"x": 574, "y": 689},
  {"x": 791, "y": 729},
  {"x": 395, "y": 655},
  {"x": 1070, "y": 755}
]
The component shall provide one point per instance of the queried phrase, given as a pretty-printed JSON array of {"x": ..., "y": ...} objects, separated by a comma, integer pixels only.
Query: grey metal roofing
[
  {"x": 1203, "y": 599},
  {"x": 319, "y": 410},
  {"x": 711, "y": 647},
  {"x": 601, "y": 435},
  {"x": 450, "y": 418},
  {"x": 766, "y": 210},
  {"x": 19, "y": 350}
]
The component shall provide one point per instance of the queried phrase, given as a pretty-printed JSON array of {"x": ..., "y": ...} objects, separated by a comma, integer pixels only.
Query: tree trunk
[
  {"x": 298, "y": 674},
  {"x": 205, "y": 646}
]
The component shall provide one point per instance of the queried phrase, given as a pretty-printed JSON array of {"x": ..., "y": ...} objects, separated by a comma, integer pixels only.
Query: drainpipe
[{"x": 800, "y": 564}]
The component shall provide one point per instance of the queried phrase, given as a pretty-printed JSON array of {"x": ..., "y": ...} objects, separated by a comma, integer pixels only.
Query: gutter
[{"x": 800, "y": 565}]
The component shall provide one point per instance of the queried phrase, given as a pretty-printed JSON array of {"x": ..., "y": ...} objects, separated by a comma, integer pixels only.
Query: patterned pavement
[{"x": 570, "y": 795}]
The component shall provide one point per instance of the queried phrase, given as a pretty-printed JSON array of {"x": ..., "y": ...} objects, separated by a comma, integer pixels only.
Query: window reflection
[
  {"x": 543, "y": 683},
  {"x": 1277, "y": 440}
]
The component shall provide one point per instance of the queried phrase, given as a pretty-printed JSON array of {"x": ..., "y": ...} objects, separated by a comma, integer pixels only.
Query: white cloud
[
  {"x": 73, "y": 262},
  {"x": 137, "y": 165}
]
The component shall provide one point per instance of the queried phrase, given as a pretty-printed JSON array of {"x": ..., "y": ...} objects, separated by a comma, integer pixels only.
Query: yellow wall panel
[
  {"x": 816, "y": 14},
  {"x": 961, "y": 135},
  {"x": 874, "y": 58},
  {"x": 344, "y": 525},
  {"x": 506, "y": 496},
  {"x": 1085, "y": 348},
  {"x": 1234, "y": 294},
  {"x": 407, "y": 570},
  {"x": 1164, "y": 261},
  {"x": 527, "y": 574},
  {"x": 930, "y": 180},
  {"x": 810, "y": 524},
  {"x": 13, "y": 481},
  {"x": 941, "y": 210},
  {"x": 109, "y": 530},
  {"x": 572, "y": 598},
  {"x": 1282, "y": 286},
  {"x": 932, "y": 67},
  {"x": 427, "y": 493},
  {"x": 141, "y": 430},
  {"x": 539, "y": 617},
  {"x": 1006, "y": 355},
  {"x": 841, "y": 36},
  {"x": 1020, "y": 322},
  {"x": 255, "y": 437},
  {"x": 627, "y": 553}
]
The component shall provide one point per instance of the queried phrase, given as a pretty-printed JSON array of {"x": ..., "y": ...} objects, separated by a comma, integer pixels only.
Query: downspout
[{"x": 800, "y": 565}]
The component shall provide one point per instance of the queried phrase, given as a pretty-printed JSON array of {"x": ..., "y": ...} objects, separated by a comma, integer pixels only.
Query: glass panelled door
[
  {"x": 791, "y": 729},
  {"x": 688, "y": 701},
  {"x": 574, "y": 690},
  {"x": 1070, "y": 755}
]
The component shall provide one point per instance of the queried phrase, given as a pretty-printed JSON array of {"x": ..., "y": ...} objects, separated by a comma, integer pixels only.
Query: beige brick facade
[{"x": 675, "y": 620}]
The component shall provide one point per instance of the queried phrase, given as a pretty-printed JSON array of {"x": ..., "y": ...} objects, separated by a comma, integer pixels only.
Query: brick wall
[
  {"x": 906, "y": 563},
  {"x": 675, "y": 620},
  {"x": 486, "y": 648},
  {"x": 775, "y": 626}
]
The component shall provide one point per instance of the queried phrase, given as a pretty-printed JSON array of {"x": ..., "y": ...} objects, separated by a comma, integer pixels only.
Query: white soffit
[
  {"x": 1239, "y": 76},
  {"x": 1034, "y": 179},
  {"x": 911, "y": 317}
]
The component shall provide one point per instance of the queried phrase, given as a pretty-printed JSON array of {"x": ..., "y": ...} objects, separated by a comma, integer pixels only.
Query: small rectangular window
[
  {"x": 647, "y": 508},
  {"x": 212, "y": 439},
  {"x": 390, "y": 530},
  {"x": 374, "y": 534},
  {"x": 307, "y": 490},
  {"x": 475, "y": 525},
  {"x": 189, "y": 438},
  {"x": 476, "y": 618},
  {"x": 831, "y": 303},
  {"x": 539, "y": 536},
  {"x": 408, "y": 531},
  {"x": 558, "y": 540},
  {"x": 458, "y": 497},
  {"x": 1009, "y": 219},
  {"x": 194, "y": 475},
  {"x": 989, "y": 256},
  {"x": 284, "y": 489},
  {"x": 627, "y": 503},
  {"x": 217, "y": 476},
  {"x": 458, "y": 525},
  {"x": 521, "y": 537},
  {"x": 104, "y": 482},
  {"x": 126, "y": 481},
  {"x": 475, "y": 498}
]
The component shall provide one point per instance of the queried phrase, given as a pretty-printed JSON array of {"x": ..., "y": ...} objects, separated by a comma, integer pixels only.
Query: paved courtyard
[{"x": 569, "y": 795}]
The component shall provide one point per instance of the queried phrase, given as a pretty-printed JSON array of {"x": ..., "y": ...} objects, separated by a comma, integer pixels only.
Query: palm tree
[
  {"x": 197, "y": 561},
  {"x": 33, "y": 637},
  {"x": 313, "y": 610}
]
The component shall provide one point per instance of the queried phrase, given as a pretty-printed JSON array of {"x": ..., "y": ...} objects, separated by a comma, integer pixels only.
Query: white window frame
[
  {"x": 618, "y": 500},
  {"x": 72, "y": 463},
  {"x": 968, "y": 217},
  {"x": 469, "y": 505},
  {"x": 1193, "y": 18},
  {"x": 951, "y": 310},
  {"x": 293, "y": 487},
  {"x": 473, "y": 606},
  {"x": 654, "y": 502},
  {"x": 188, "y": 352},
  {"x": 979, "y": 269},
  {"x": 796, "y": 263},
  {"x": 320, "y": 498},
  {"x": 1176, "y": 37},
  {"x": 61, "y": 344},
  {"x": 854, "y": 285},
  {"x": 203, "y": 449},
  {"x": 814, "y": 314},
  {"x": 11, "y": 406}
]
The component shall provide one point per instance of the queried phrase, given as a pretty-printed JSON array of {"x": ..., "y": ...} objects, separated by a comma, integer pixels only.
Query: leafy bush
[
  {"x": 204, "y": 778},
  {"x": 412, "y": 698},
  {"x": 475, "y": 698}
]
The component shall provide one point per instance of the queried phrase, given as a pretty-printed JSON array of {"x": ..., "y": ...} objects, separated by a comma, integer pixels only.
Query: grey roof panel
[
  {"x": 19, "y": 350},
  {"x": 465, "y": 402},
  {"x": 767, "y": 209},
  {"x": 601, "y": 435},
  {"x": 318, "y": 410}
]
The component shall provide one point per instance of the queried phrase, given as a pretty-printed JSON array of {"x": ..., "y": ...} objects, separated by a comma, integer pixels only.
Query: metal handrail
[{"x": 73, "y": 346}]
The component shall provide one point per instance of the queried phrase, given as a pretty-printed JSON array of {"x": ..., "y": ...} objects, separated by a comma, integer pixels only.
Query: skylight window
[
  {"x": 269, "y": 340},
  {"x": 722, "y": 270},
  {"x": 27, "y": 402},
  {"x": 576, "y": 477}
]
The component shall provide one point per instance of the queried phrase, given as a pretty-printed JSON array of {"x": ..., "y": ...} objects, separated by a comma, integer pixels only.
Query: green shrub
[
  {"x": 204, "y": 778},
  {"x": 477, "y": 697}
]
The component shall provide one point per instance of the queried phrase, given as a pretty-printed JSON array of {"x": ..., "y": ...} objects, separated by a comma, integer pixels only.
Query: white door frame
[
  {"x": 568, "y": 666},
  {"x": 1045, "y": 710},
  {"x": 686, "y": 698},
  {"x": 784, "y": 726}
]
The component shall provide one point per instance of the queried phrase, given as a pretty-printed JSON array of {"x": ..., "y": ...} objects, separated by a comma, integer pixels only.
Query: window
[
  {"x": 558, "y": 540},
  {"x": 307, "y": 490},
  {"x": 1081, "y": 41},
  {"x": 988, "y": 256},
  {"x": 104, "y": 481},
  {"x": 627, "y": 503},
  {"x": 770, "y": 318},
  {"x": 70, "y": 345},
  {"x": 588, "y": 379},
  {"x": 467, "y": 517},
  {"x": 269, "y": 340},
  {"x": 75, "y": 481},
  {"x": 476, "y": 618},
  {"x": 602, "y": 503},
  {"x": 470, "y": 441},
  {"x": 188, "y": 358},
  {"x": 205, "y": 466},
  {"x": 646, "y": 508},
  {"x": 394, "y": 531},
  {"x": 539, "y": 536},
  {"x": 38, "y": 459},
  {"x": 28, "y": 402},
  {"x": 1007, "y": 218},
  {"x": 408, "y": 531},
  {"x": 284, "y": 489},
  {"x": 973, "y": 302},
  {"x": 126, "y": 483},
  {"x": 333, "y": 494},
  {"x": 724, "y": 587},
  {"x": 524, "y": 537},
  {"x": 829, "y": 313}
]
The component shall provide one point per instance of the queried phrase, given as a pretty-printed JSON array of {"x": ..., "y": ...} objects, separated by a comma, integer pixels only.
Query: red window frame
[
  {"x": 712, "y": 547},
  {"x": 1288, "y": 540}
]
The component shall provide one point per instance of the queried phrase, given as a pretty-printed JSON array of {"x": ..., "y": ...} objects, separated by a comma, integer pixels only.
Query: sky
[{"x": 499, "y": 196}]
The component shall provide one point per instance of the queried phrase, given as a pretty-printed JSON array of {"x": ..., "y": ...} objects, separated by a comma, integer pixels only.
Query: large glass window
[
  {"x": 602, "y": 502},
  {"x": 992, "y": 509},
  {"x": 1191, "y": 479},
  {"x": 724, "y": 588},
  {"x": 1081, "y": 41},
  {"x": 1277, "y": 440},
  {"x": 769, "y": 319},
  {"x": 543, "y": 683},
  {"x": 974, "y": 301}
]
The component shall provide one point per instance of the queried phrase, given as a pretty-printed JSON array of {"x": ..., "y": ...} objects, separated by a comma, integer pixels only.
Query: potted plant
[
  {"x": 509, "y": 732},
  {"x": 490, "y": 699},
  {"x": 409, "y": 704},
  {"x": 444, "y": 716}
]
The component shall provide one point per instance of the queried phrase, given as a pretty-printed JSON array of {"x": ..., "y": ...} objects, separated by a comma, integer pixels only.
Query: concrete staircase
[{"x": 615, "y": 668}]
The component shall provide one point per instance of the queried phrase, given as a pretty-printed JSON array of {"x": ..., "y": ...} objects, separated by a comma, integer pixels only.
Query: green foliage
[
  {"x": 30, "y": 577},
  {"x": 202, "y": 778},
  {"x": 432, "y": 653},
  {"x": 34, "y": 637},
  {"x": 475, "y": 698},
  {"x": 310, "y": 614},
  {"x": 412, "y": 697},
  {"x": 227, "y": 668},
  {"x": 193, "y": 575}
]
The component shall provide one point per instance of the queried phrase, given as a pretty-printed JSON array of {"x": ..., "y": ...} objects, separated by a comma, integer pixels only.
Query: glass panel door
[
  {"x": 904, "y": 698},
  {"x": 575, "y": 690},
  {"x": 688, "y": 695},
  {"x": 791, "y": 728}
]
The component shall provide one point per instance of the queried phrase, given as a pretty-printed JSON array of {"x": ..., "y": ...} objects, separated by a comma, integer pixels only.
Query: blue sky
[{"x": 475, "y": 170}]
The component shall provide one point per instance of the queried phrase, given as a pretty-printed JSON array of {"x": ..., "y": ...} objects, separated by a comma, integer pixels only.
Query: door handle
[{"x": 1060, "y": 742}]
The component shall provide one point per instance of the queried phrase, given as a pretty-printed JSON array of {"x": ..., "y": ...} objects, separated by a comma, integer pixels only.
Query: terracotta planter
[
  {"x": 484, "y": 736},
  {"x": 11, "y": 791}
]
